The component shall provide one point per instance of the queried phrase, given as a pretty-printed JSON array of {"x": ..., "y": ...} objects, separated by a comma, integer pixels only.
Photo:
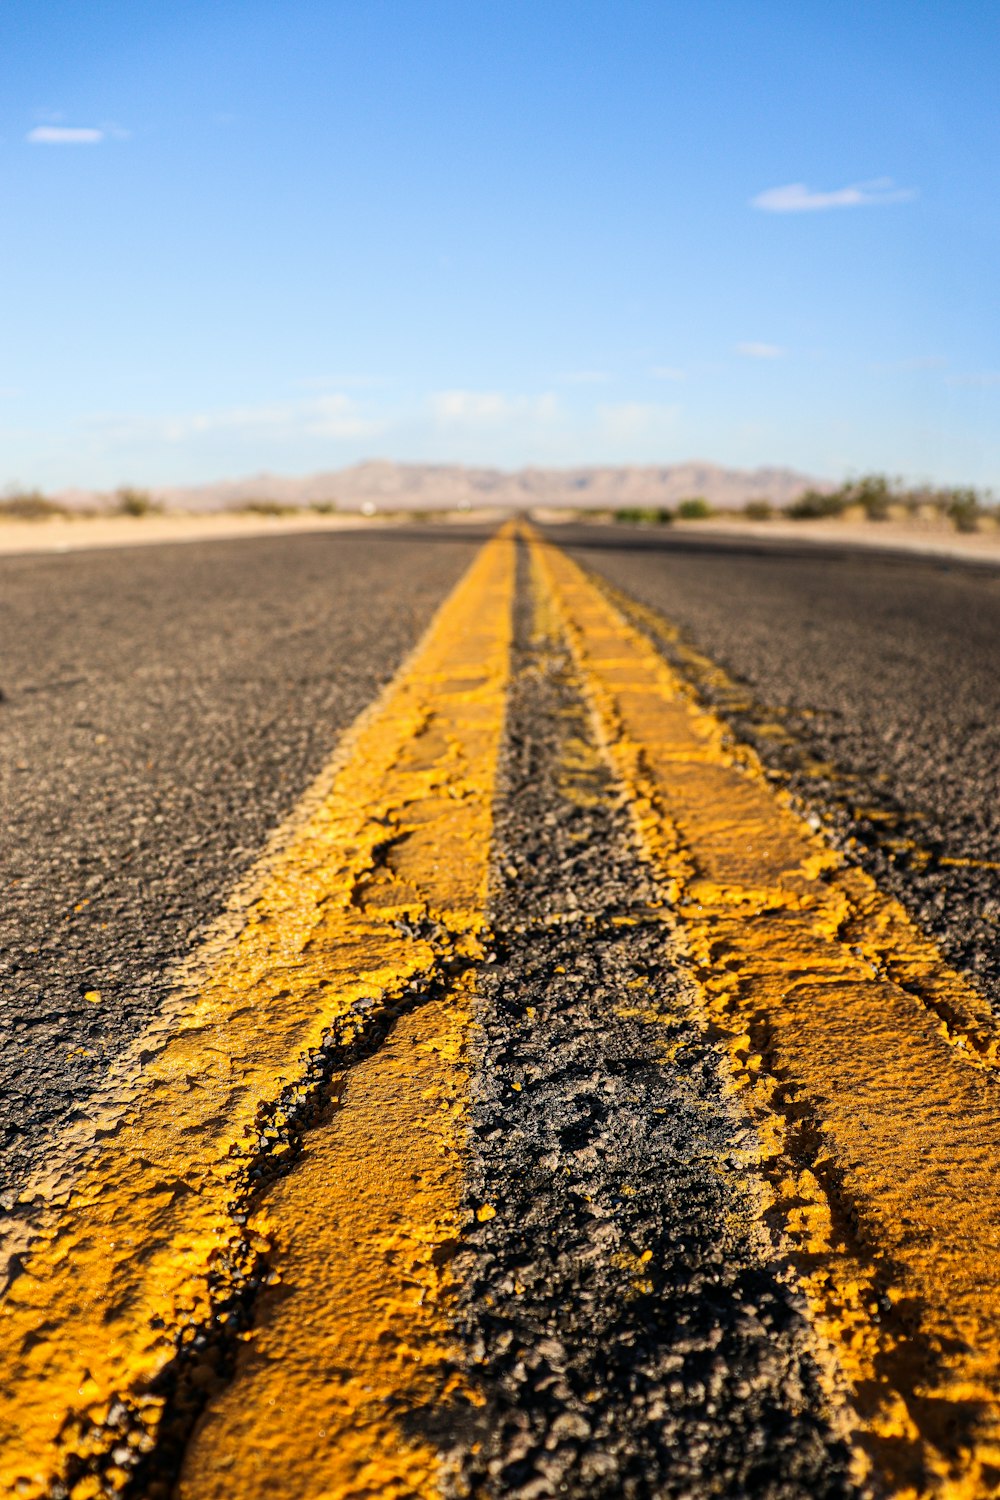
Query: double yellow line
[
  {"x": 864, "y": 1061},
  {"x": 378, "y": 884}
]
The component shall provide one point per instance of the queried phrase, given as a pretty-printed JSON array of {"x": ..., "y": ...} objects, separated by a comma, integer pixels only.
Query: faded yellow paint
[
  {"x": 379, "y": 879},
  {"x": 868, "y": 1063},
  {"x": 349, "y": 1367}
]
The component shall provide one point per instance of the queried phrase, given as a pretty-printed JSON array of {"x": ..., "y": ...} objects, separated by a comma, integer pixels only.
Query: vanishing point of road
[{"x": 499, "y": 1014}]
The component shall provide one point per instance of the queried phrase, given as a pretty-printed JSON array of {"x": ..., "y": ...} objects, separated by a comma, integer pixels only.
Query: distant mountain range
[{"x": 400, "y": 486}]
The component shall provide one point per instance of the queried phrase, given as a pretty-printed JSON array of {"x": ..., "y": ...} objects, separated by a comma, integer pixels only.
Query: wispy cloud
[
  {"x": 338, "y": 417},
  {"x": 629, "y": 420},
  {"x": 461, "y": 408},
  {"x": 760, "y": 351},
  {"x": 797, "y": 198},
  {"x": 333, "y": 416},
  {"x": 66, "y": 135}
]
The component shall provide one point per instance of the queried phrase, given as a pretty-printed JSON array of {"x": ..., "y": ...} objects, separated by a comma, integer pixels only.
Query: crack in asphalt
[{"x": 206, "y": 1350}]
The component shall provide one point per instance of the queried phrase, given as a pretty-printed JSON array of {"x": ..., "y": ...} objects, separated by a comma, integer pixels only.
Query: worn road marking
[
  {"x": 378, "y": 884},
  {"x": 869, "y": 1065},
  {"x": 627, "y": 1320},
  {"x": 347, "y": 1370}
]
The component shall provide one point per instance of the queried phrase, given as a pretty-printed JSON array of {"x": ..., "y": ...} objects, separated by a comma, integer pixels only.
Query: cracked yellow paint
[
  {"x": 349, "y": 1369},
  {"x": 868, "y": 1064},
  {"x": 377, "y": 880}
]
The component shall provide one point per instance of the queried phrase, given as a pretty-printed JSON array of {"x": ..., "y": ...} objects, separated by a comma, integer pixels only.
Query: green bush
[
  {"x": 964, "y": 508},
  {"x": 695, "y": 509},
  {"x": 758, "y": 510},
  {"x": 637, "y": 515},
  {"x": 873, "y": 493},
  {"x": 268, "y": 508},
  {"x": 812, "y": 504},
  {"x": 133, "y": 502},
  {"x": 877, "y": 495}
]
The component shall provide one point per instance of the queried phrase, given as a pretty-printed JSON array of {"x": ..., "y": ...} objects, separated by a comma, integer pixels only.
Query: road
[{"x": 505, "y": 1017}]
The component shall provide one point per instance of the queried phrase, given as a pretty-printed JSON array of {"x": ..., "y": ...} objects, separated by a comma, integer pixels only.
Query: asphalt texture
[
  {"x": 869, "y": 685},
  {"x": 622, "y": 1318},
  {"x": 162, "y": 710},
  {"x": 622, "y": 1311}
]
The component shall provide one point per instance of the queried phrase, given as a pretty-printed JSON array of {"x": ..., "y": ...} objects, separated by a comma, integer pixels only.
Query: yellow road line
[
  {"x": 350, "y": 1351},
  {"x": 380, "y": 879},
  {"x": 865, "y": 1060}
]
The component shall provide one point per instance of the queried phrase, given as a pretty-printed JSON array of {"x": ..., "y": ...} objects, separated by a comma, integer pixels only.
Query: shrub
[
  {"x": 30, "y": 505},
  {"x": 964, "y": 509},
  {"x": 268, "y": 508},
  {"x": 133, "y": 502},
  {"x": 695, "y": 509},
  {"x": 637, "y": 515},
  {"x": 758, "y": 510},
  {"x": 877, "y": 495},
  {"x": 325, "y": 507},
  {"x": 812, "y": 504},
  {"x": 873, "y": 493}
]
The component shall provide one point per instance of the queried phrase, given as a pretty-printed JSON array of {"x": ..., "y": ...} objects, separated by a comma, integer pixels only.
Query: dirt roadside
[{"x": 69, "y": 534}]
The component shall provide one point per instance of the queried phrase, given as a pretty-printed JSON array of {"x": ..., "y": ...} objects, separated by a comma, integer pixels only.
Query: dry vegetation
[{"x": 873, "y": 497}]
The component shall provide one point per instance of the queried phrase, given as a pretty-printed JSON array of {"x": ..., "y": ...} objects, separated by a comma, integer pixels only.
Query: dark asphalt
[
  {"x": 621, "y": 1313},
  {"x": 622, "y": 1319},
  {"x": 884, "y": 666},
  {"x": 163, "y": 708}
]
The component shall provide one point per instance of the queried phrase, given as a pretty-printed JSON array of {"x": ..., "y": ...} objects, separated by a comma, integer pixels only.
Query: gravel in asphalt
[
  {"x": 623, "y": 1319},
  {"x": 162, "y": 710},
  {"x": 623, "y": 1312},
  {"x": 868, "y": 683}
]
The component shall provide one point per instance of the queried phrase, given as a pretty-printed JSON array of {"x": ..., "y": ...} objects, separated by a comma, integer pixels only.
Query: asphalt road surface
[
  {"x": 886, "y": 669},
  {"x": 504, "y": 1018},
  {"x": 162, "y": 711}
]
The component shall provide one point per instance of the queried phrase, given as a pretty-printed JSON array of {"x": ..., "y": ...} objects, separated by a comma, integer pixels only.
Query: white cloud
[
  {"x": 334, "y": 416},
  {"x": 628, "y": 420},
  {"x": 463, "y": 407},
  {"x": 338, "y": 417},
  {"x": 65, "y": 135},
  {"x": 760, "y": 351},
  {"x": 797, "y": 198},
  {"x": 667, "y": 372},
  {"x": 466, "y": 409}
]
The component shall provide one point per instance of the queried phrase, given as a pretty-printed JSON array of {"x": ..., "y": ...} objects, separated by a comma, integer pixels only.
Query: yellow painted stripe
[
  {"x": 866, "y": 1061},
  {"x": 348, "y": 1367},
  {"x": 379, "y": 879}
]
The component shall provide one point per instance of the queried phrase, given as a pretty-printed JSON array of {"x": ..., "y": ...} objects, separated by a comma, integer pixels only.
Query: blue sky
[{"x": 243, "y": 235}]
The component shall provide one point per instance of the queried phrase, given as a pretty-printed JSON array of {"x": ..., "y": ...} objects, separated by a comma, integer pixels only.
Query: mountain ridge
[{"x": 385, "y": 484}]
